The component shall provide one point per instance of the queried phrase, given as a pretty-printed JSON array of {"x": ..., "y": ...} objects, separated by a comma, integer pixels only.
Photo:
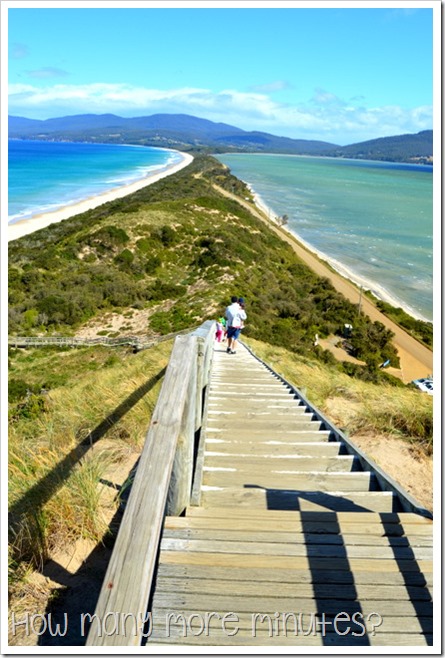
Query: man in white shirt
[{"x": 235, "y": 316}]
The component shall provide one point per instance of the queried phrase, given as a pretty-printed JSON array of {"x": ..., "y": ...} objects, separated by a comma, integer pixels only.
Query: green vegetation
[
  {"x": 420, "y": 329},
  {"x": 180, "y": 253}
]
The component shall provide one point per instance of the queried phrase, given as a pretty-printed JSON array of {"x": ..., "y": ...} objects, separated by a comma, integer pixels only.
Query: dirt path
[{"x": 416, "y": 360}]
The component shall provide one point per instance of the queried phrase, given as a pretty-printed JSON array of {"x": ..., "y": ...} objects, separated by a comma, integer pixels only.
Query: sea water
[
  {"x": 46, "y": 176},
  {"x": 372, "y": 221}
]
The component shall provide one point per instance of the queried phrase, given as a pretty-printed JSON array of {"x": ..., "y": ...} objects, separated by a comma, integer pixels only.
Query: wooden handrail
[{"x": 162, "y": 484}]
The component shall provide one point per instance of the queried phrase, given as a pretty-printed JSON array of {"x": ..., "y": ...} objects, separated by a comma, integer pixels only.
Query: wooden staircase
[{"x": 292, "y": 542}]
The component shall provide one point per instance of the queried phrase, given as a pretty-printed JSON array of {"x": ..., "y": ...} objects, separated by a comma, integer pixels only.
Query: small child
[
  {"x": 219, "y": 331},
  {"x": 223, "y": 322}
]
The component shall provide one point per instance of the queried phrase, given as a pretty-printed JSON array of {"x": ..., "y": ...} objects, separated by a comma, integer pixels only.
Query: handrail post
[
  {"x": 178, "y": 497},
  {"x": 206, "y": 337}
]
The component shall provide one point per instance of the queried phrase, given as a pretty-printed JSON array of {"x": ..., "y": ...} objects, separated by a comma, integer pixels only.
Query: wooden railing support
[
  {"x": 182, "y": 471},
  {"x": 206, "y": 336}
]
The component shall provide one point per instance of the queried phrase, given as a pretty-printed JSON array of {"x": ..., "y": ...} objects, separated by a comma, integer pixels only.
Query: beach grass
[
  {"x": 358, "y": 406},
  {"x": 61, "y": 449}
]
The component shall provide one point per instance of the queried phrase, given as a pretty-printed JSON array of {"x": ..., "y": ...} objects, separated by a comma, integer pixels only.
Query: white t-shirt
[{"x": 235, "y": 315}]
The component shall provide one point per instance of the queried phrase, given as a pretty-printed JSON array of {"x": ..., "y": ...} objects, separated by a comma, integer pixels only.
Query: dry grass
[
  {"x": 54, "y": 487},
  {"x": 361, "y": 407}
]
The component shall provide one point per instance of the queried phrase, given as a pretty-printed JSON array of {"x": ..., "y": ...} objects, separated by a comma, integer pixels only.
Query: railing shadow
[
  {"x": 415, "y": 582},
  {"x": 37, "y": 495},
  {"x": 334, "y": 588}
]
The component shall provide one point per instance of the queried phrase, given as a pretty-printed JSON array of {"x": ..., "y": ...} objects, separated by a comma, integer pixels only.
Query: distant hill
[
  {"x": 172, "y": 130},
  {"x": 412, "y": 147},
  {"x": 185, "y": 132}
]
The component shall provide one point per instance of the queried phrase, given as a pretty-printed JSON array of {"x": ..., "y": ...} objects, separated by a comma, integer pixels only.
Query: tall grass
[
  {"x": 359, "y": 406},
  {"x": 55, "y": 494}
]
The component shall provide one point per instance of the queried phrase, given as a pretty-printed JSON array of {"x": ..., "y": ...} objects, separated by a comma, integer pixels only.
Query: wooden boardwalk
[{"x": 289, "y": 541}]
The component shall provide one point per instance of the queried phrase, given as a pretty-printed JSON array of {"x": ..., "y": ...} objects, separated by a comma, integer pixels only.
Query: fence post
[{"x": 178, "y": 497}]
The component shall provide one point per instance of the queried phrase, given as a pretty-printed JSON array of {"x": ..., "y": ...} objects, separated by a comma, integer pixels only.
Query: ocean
[
  {"x": 46, "y": 176},
  {"x": 372, "y": 221}
]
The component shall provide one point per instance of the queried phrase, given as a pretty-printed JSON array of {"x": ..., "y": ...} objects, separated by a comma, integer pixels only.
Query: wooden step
[
  {"x": 270, "y": 535},
  {"x": 256, "y": 497},
  {"x": 301, "y": 550},
  {"x": 385, "y": 519},
  {"x": 295, "y": 524},
  {"x": 260, "y": 427},
  {"x": 346, "y": 592},
  {"x": 297, "y": 577},
  {"x": 233, "y": 636},
  {"x": 303, "y": 443},
  {"x": 268, "y": 605},
  {"x": 278, "y": 477},
  {"x": 283, "y": 460}
]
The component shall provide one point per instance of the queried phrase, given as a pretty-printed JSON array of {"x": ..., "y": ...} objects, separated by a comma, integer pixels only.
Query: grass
[
  {"x": 54, "y": 481},
  {"x": 361, "y": 407}
]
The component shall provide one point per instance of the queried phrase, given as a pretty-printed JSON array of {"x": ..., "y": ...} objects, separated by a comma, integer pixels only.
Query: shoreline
[
  {"x": 375, "y": 289},
  {"x": 29, "y": 225},
  {"x": 416, "y": 360}
]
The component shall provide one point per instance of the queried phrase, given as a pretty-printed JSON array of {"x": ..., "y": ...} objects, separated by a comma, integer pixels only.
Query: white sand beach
[{"x": 26, "y": 226}]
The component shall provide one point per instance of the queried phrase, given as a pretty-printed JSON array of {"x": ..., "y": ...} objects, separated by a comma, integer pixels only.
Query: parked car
[{"x": 424, "y": 384}]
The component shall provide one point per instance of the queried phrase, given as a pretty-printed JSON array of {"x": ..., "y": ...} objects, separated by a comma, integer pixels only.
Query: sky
[{"x": 341, "y": 73}]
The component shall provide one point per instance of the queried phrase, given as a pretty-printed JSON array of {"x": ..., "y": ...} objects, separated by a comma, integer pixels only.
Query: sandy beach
[{"x": 26, "y": 226}]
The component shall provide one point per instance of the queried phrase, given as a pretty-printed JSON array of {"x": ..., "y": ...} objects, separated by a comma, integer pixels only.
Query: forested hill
[
  {"x": 179, "y": 131},
  {"x": 401, "y": 148},
  {"x": 185, "y": 132}
]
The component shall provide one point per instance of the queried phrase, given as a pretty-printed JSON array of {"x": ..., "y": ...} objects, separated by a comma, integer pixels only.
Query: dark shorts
[{"x": 233, "y": 332}]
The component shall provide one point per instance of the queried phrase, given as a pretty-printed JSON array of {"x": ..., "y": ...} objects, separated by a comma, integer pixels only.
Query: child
[
  {"x": 222, "y": 321},
  {"x": 219, "y": 331}
]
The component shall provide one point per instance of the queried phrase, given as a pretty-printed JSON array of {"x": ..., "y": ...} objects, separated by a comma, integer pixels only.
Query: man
[{"x": 235, "y": 316}]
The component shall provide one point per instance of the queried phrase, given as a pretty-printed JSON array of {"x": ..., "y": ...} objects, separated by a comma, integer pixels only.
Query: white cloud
[{"x": 323, "y": 117}]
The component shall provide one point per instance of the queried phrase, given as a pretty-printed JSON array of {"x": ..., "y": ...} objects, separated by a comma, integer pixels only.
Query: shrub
[
  {"x": 32, "y": 407},
  {"x": 17, "y": 389}
]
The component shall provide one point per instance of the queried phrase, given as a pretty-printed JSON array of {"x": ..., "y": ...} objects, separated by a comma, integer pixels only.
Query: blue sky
[{"x": 341, "y": 74}]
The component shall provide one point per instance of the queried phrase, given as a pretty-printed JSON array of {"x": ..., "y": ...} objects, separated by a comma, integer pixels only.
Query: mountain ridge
[{"x": 190, "y": 133}]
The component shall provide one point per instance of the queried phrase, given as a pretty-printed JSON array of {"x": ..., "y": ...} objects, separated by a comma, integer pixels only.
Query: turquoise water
[
  {"x": 372, "y": 221},
  {"x": 46, "y": 176}
]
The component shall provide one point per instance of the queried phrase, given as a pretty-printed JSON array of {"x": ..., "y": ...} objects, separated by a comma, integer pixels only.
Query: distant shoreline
[{"x": 36, "y": 222}]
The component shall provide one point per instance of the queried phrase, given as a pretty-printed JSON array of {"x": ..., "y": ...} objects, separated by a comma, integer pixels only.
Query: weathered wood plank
[
  {"x": 312, "y": 591},
  {"x": 372, "y": 552},
  {"x": 269, "y": 438},
  {"x": 280, "y": 478},
  {"x": 283, "y": 461},
  {"x": 262, "y": 523},
  {"x": 313, "y": 445},
  {"x": 279, "y": 575},
  {"x": 380, "y": 501},
  {"x": 301, "y": 537},
  {"x": 269, "y": 605},
  {"x": 327, "y": 516},
  {"x": 220, "y": 638},
  {"x": 352, "y": 564}
]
